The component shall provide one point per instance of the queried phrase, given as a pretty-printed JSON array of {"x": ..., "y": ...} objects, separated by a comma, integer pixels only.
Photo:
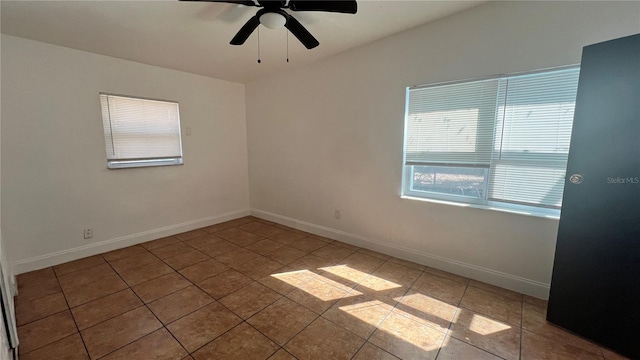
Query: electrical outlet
[
  {"x": 337, "y": 214},
  {"x": 88, "y": 233}
]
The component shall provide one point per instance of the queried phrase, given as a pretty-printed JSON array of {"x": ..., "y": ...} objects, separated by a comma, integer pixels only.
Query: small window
[
  {"x": 501, "y": 142},
  {"x": 140, "y": 132}
]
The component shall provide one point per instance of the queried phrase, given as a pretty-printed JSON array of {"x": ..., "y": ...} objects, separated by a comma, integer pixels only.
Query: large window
[
  {"x": 500, "y": 142},
  {"x": 140, "y": 132}
]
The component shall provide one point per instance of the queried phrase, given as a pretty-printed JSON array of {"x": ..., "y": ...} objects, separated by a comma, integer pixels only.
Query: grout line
[
  {"x": 71, "y": 313},
  {"x": 521, "y": 328}
]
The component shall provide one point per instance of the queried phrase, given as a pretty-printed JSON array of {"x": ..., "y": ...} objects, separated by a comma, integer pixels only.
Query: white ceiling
[{"x": 194, "y": 36}]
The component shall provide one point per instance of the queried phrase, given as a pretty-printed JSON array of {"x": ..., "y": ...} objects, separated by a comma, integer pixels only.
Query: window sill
[{"x": 519, "y": 211}]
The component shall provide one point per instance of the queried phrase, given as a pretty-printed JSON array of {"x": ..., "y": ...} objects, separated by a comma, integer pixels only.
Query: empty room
[{"x": 298, "y": 179}]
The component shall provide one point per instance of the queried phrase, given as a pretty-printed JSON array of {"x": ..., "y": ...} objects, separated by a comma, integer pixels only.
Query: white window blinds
[
  {"x": 140, "y": 132},
  {"x": 531, "y": 142},
  {"x": 451, "y": 124},
  {"x": 518, "y": 127}
]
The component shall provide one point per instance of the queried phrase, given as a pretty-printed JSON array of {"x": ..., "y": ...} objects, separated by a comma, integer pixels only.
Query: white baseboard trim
[
  {"x": 497, "y": 278},
  {"x": 60, "y": 257}
]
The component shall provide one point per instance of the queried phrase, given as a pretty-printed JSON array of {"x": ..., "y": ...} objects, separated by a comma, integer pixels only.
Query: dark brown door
[{"x": 595, "y": 289}]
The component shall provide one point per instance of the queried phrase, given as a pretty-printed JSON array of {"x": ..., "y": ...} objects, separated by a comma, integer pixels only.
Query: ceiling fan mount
[{"x": 273, "y": 15}]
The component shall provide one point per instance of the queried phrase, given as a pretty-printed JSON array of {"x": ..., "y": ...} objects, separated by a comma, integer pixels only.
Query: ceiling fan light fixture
[{"x": 273, "y": 20}]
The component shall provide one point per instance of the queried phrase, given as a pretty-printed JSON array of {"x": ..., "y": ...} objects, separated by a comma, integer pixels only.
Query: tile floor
[{"x": 252, "y": 289}]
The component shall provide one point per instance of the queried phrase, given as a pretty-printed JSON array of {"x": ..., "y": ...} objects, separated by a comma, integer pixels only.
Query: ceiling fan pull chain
[
  {"x": 287, "y": 31},
  {"x": 259, "y": 61}
]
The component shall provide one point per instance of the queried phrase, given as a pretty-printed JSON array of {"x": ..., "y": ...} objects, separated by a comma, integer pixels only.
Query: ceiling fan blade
[
  {"x": 301, "y": 33},
  {"x": 340, "y": 6},
  {"x": 239, "y": 2},
  {"x": 245, "y": 31}
]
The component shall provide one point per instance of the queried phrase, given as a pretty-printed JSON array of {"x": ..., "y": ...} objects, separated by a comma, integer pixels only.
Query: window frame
[
  {"x": 113, "y": 164},
  {"x": 408, "y": 168}
]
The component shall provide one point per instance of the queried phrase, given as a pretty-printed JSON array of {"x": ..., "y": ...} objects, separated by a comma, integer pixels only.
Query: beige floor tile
[
  {"x": 259, "y": 268},
  {"x": 261, "y": 229},
  {"x": 535, "y": 301},
  {"x": 182, "y": 302},
  {"x": 157, "y": 345},
  {"x": 124, "y": 252},
  {"x": 200, "y": 327},
  {"x": 334, "y": 253},
  {"x": 80, "y": 278},
  {"x": 407, "y": 263},
  {"x": 310, "y": 262},
  {"x": 250, "y": 299},
  {"x": 282, "y": 320},
  {"x": 80, "y": 264},
  {"x": 288, "y": 237},
  {"x": 488, "y": 334},
  {"x": 160, "y": 287},
  {"x": 95, "y": 290},
  {"x": 27, "y": 312},
  {"x": 158, "y": 243},
  {"x": 407, "y": 339},
  {"x": 146, "y": 272},
  {"x": 454, "y": 349},
  {"x": 186, "y": 259},
  {"x": 343, "y": 274},
  {"x": 372, "y": 352},
  {"x": 164, "y": 252},
  {"x": 45, "y": 331},
  {"x": 324, "y": 340},
  {"x": 134, "y": 261},
  {"x": 358, "y": 314},
  {"x": 362, "y": 262},
  {"x": 426, "y": 310},
  {"x": 117, "y": 332},
  {"x": 241, "y": 343},
  {"x": 538, "y": 347},
  {"x": 447, "y": 275},
  {"x": 220, "y": 248},
  {"x": 105, "y": 308},
  {"x": 286, "y": 280},
  {"x": 495, "y": 306},
  {"x": 308, "y": 244},
  {"x": 282, "y": 355},
  {"x": 203, "y": 270},
  {"x": 239, "y": 237},
  {"x": 29, "y": 291},
  {"x": 46, "y": 274},
  {"x": 381, "y": 289},
  {"x": 534, "y": 320},
  {"x": 496, "y": 290},
  {"x": 237, "y": 257},
  {"x": 286, "y": 255},
  {"x": 224, "y": 283},
  {"x": 202, "y": 242},
  {"x": 69, "y": 348},
  {"x": 345, "y": 245},
  {"x": 218, "y": 227},
  {"x": 440, "y": 288},
  {"x": 398, "y": 274},
  {"x": 374, "y": 254},
  {"x": 190, "y": 234},
  {"x": 318, "y": 296},
  {"x": 265, "y": 246}
]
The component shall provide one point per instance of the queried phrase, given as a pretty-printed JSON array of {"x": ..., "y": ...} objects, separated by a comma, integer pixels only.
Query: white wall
[
  {"x": 330, "y": 136},
  {"x": 54, "y": 176}
]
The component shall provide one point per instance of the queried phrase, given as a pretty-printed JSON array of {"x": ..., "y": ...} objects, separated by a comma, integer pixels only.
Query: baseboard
[
  {"x": 504, "y": 280},
  {"x": 59, "y": 257}
]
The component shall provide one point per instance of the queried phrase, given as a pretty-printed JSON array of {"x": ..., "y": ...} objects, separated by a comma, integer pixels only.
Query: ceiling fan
[{"x": 272, "y": 15}]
